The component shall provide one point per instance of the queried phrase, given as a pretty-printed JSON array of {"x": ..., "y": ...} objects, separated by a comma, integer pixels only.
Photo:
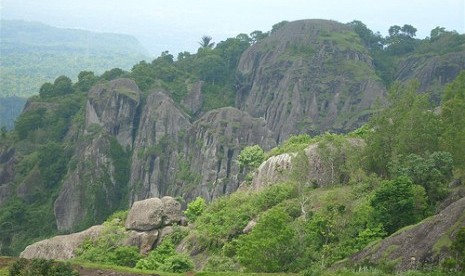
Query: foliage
[
  {"x": 407, "y": 126},
  {"x": 453, "y": 117},
  {"x": 107, "y": 248},
  {"x": 331, "y": 150},
  {"x": 398, "y": 203},
  {"x": 458, "y": 248},
  {"x": 41, "y": 267},
  {"x": 433, "y": 172},
  {"x": 195, "y": 208},
  {"x": 271, "y": 246},
  {"x": 223, "y": 220},
  {"x": 165, "y": 258},
  {"x": 251, "y": 157},
  {"x": 295, "y": 143}
]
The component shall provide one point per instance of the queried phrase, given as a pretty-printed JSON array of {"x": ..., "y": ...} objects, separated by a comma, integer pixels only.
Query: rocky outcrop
[
  {"x": 60, "y": 247},
  {"x": 193, "y": 100},
  {"x": 214, "y": 141},
  {"x": 318, "y": 168},
  {"x": 89, "y": 187},
  {"x": 432, "y": 72},
  {"x": 273, "y": 170},
  {"x": 148, "y": 223},
  {"x": 309, "y": 76},
  {"x": 157, "y": 147},
  {"x": 113, "y": 106},
  {"x": 153, "y": 213},
  {"x": 423, "y": 244}
]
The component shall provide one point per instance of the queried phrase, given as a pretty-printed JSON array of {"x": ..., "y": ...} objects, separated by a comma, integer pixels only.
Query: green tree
[
  {"x": 458, "y": 247},
  {"x": 271, "y": 246},
  {"x": 62, "y": 86},
  {"x": 398, "y": 203},
  {"x": 195, "y": 208},
  {"x": 251, "y": 157},
  {"x": 206, "y": 42},
  {"x": 433, "y": 172},
  {"x": 46, "y": 90},
  {"x": 406, "y": 126},
  {"x": 453, "y": 117},
  {"x": 257, "y": 35},
  {"x": 86, "y": 79}
]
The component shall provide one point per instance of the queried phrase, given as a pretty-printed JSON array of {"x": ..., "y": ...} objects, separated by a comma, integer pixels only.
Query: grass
[{"x": 116, "y": 268}]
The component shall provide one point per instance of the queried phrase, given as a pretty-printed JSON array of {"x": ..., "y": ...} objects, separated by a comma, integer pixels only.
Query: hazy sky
[{"x": 178, "y": 25}]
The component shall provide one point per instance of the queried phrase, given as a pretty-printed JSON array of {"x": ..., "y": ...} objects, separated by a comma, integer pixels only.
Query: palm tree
[{"x": 206, "y": 42}]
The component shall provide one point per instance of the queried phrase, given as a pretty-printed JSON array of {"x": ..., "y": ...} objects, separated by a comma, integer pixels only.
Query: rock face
[
  {"x": 214, "y": 141},
  {"x": 113, "y": 106},
  {"x": 432, "y": 71},
  {"x": 162, "y": 130},
  {"x": 91, "y": 190},
  {"x": 309, "y": 76},
  {"x": 422, "y": 244}
]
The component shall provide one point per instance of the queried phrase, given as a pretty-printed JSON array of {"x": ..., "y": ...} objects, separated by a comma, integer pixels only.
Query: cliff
[{"x": 309, "y": 76}]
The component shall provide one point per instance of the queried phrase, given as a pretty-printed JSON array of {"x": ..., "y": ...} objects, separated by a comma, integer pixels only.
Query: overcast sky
[{"x": 178, "y": 25}]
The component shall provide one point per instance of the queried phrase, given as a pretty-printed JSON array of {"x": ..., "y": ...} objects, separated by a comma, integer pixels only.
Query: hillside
[
  {"x": 84, "y": 149},
  {"x": 33, "y": 53}
]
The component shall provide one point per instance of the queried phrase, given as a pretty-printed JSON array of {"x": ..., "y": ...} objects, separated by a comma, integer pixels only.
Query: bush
[
  {"x": 165, "y": 258},
  {"x": 195, "y": 208},
  {"x": 177, "y": 263},
  {"x": 271, "y": 246},
  {"x": 398, "y": 203},
  {"x": 41, "y": 267},
  {"x": 251, "y": 157},
  {"x": 220, "y": 264}
]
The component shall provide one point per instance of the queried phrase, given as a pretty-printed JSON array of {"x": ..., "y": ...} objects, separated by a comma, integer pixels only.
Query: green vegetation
[
  {"x": 195, "y": 208},
  {"x": 40, "y": 267},
  {"x": 165, "y": 258},
  {"x": 108, "y": 247},
  {"x": 34, "y": 53},
  {"x": 251, "y": 157}
]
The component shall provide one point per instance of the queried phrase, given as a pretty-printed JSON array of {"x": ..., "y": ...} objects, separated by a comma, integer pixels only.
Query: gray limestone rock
[
  {"x": 60, "y": 247},
  {"x": 145, "y": 215}
]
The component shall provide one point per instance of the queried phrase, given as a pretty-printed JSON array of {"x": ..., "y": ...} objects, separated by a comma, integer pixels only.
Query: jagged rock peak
[
  {"x": 308, "y": 76},
  {"x": 113, "y": 105}
]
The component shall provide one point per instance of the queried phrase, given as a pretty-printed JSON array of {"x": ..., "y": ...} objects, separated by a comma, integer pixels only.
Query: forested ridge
[
  {"x": 34, "y": 53},
  {"x": 345, "y": 178}
]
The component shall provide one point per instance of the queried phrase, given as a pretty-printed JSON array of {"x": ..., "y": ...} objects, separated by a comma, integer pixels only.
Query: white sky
[{"x": 178, "y": 25}]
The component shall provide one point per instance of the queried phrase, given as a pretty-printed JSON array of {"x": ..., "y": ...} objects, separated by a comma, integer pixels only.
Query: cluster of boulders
[{"x": 148, "y": 222}]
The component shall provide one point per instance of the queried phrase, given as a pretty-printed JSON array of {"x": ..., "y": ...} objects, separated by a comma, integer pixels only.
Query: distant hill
[{"x": 33, "y": 53}]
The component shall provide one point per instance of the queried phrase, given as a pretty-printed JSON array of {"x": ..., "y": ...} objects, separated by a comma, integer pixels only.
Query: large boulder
[
  {"x": 153, "y": 213},
  {"x": 60, "y": 247}
]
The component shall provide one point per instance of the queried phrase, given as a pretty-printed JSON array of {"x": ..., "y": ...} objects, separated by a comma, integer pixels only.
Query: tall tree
[
  {"x": 453, "y": 116},
  {"x": 206, "y": 42}
]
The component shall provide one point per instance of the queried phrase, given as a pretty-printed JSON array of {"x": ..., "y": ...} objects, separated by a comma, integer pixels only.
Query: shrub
[
  {"x": 41, "y": 267},
  {"x": 251, "y": 157},
  {"x": 195, "y": 208},
  {"x": 165, "y": 258}
]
